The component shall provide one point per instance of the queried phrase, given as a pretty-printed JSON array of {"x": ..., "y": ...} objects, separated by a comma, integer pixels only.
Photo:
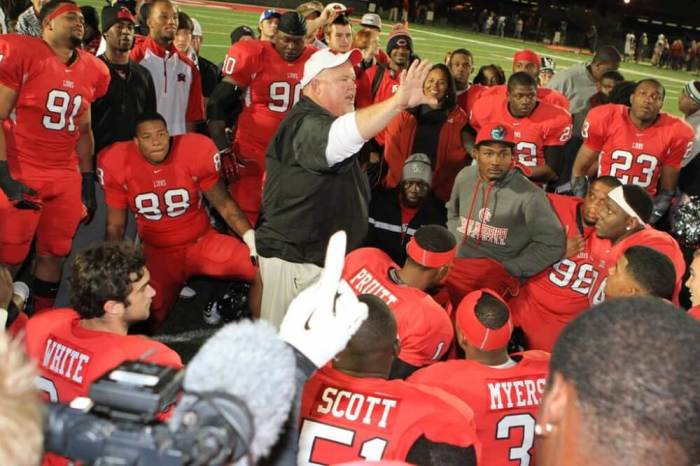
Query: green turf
[{"x": 430, "y": 42}]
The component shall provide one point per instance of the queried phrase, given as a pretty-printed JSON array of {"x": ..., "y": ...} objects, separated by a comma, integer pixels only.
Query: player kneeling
[{"x": 162, "y": 180}]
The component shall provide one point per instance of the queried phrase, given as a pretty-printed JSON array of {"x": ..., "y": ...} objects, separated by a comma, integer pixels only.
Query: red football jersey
[
  {"x": 694, "y": 312},
  {"x": 467, "y": 98},
  {"x": 505, "y": 402},
  {"x": 387, "y": 86},
  {"x": 344, "y": 418},
  {"x": 70, "y": 357},
  {"x": 605, "y": 255},
  {"x": 552, "y": 298},
  {"x": 424, "y": 328},
  {"x": 544, "y": 94},
  {"x": 634, "y": 155},
  {"x": 52, "y": 97},
  {"x": 166, "y": 198},
  {"x": 547, "y": 125},
  {"x": 272, "y": 90}
]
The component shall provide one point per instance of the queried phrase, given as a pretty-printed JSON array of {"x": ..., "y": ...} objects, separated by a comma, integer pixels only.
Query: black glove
[
  {"x": 88, "y": 196},
  {"x": 662, "y": 202},
  {"x": 579, "y": 186},
  {"x": 14, "y": 190}
]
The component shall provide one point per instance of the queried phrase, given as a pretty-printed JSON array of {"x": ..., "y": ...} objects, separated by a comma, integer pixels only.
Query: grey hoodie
[{"x": 509, "y": 220}]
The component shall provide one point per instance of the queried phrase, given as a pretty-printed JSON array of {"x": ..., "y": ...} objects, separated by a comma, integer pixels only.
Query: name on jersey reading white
[
  {"x": 515, "y": 393},
  {"x": 352, "y": 406},
  {"x": 64, "y": 361}
]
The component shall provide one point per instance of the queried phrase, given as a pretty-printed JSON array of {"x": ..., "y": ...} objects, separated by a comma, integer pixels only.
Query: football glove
[
  {"x": 14, "y": 190},
  {"x": 231, "y": 165},
  {"x": 321, "y": 320},
  {"x": 579, "y": 186},
  {"x": 88, "y": 196},
  {"x": 249, "y": 240}
]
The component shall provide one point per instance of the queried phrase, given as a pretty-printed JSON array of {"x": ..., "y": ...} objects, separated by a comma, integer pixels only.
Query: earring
[
  {"x": 543, "y": 432},
  {"x": 627, "y": 228}
]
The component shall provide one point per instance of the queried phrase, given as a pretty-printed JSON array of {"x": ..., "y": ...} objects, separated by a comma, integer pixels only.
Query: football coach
[{"x": 314, "y": 185}]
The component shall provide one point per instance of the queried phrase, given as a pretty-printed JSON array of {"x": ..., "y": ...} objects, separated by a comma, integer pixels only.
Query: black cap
[
  {"x": 292, "y": 23},
  {"x": 241, "y": 31},
  {"x": 113, "y": 14}
]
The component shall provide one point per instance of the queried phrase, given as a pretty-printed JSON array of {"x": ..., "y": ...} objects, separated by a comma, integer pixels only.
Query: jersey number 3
[
  {"x": 525, "y": 422},
  {"x": 62, "y": 110}
]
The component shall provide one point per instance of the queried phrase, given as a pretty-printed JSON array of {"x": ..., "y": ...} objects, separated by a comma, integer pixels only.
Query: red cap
[
  {"x": 497, "y": 132},
  {"x": 476, "y": 333},
  {"x": 528, "y": 56}
]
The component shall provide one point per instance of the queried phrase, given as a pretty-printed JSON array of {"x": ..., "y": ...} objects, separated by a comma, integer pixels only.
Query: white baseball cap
[
  {"x": 325, "y": 59},
  {"x": 371, "y": 20},
  {"x": 197, "y": 30}
]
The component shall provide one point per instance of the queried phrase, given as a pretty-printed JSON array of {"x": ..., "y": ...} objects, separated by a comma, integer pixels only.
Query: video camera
[{"x": 122, "y": 422}]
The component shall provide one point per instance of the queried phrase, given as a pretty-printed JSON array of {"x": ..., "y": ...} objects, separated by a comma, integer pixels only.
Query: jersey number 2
[
  {"x": 47, "y": 386},
  {"x": 371, "y": 450},
  {"x": 62, "y": 110}
]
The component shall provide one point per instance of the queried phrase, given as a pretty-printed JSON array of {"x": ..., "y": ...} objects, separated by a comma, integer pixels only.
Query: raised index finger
[{"x": 332, "y": 267}]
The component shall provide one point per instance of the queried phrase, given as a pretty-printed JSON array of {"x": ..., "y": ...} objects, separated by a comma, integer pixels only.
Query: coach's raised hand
[{"x": 410, "y": 91}]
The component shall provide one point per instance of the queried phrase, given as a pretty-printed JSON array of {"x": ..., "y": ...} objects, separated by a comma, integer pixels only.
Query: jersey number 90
[{"x": 283, "y": 96}]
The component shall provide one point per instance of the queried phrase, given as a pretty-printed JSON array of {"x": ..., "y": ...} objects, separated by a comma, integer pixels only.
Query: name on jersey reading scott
[
  {"x": 515, "y": 393},
  {"x": 64, "y": 361},
  {"x": 368, "y": 409}
]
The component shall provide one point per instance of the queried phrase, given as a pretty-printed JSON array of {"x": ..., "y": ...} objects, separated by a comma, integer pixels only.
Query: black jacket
[
  {"x": 304, "y": 200},
  {"x": 131, "y": 92},
  {"x": 385, "y": 229}
]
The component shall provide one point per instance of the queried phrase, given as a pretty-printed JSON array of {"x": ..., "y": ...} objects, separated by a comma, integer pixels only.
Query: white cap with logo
[
  {"x": 325, "y": 59},
  {"x": 371, "y": 20}
]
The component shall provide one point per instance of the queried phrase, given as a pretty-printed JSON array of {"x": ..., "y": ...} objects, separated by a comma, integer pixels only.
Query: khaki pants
[{"x": 282, "y": 281}]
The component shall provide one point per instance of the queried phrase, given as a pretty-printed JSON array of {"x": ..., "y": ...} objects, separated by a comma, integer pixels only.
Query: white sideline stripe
[
  {"x": 191, "y": 335},
  {"x": 508, "y": 47}
]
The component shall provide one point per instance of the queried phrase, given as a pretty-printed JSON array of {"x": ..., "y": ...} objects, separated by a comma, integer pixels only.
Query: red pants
[
  {"x": 468, "y": 275},
  {"x": 541, "y": 328},
  {"x": 247, "y": 189},
  {"x": 214, "y": 255},
  {"x": 54, "y": 224}
]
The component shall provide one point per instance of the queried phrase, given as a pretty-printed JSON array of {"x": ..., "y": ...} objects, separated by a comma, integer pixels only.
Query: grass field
[{"x": 430, "y": 42}]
